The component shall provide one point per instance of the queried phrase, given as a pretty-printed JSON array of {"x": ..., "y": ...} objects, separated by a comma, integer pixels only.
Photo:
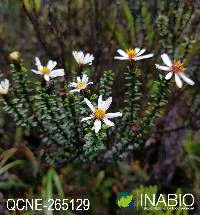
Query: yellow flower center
[
  {"x": 80, "y": 85},
  {"x": 131, "y": 53},
  {"x": 99, "y": 113},
  {"x": 177, "y": 67},
  {"x": 45, "y": 70}
]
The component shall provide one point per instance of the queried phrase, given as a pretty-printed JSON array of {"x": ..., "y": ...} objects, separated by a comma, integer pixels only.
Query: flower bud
[{"x": 15, "y": 56}]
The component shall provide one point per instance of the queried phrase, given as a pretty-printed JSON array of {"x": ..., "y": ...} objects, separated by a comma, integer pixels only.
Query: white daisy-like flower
[
  {"x": 132, "y": 54},
  {"x": 4, "y": 86},
  {"x": 99, "y": 113},
  {"x": 177, "y": 68},
  {"x": 48, "y": 71},
  {"x": 82, "y": 59},
  {"x": 81, "y": 84}
]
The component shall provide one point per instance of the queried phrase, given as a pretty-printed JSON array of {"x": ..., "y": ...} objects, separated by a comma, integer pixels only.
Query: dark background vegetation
[{"x": 170, "y": 158}]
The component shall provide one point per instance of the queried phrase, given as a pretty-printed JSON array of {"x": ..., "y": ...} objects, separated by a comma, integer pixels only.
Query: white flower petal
[
  {"x": 186, "y": 79},
  {"x": 108, "y": 122},
  {"x": 107, "y": 103},
  {"x": 97, "y": 125},
  {"x": 80, "y": 56},
  {"x": 57, "y": 73},
  {"x": 178, "y": 81},
  {"x": 100, "y": 101},
  {"x": 72, "y": 84},
  {"x": 85, "y": 78},
  {"x": 74, "y": 53},
  {"x": 78, "y": 79},
  {"x": 90, "y": 59},
  {"x": 121, "y": 58},
  {"x": 6, "y": 82},
  {"x": 46, "y": 77},
  {"x": 86, "y": 118},
  {"x": 89, "y": 83},
  {"x": 89, "y": 104},
  {"x": 142, "y": 51},
  {"x": 113, "y": 115},
  {"x": 75, "y": 90},
  {"x": 165, "y": 68},
  {"x": 143, "y": 57},
  {"x": 122, "y": 53},
  {"x": 90, "y": 63},
  {"x": 169, "y": 75},
  {"x": 51, "y": 64},
  {"x": 87, "y": 56},
  {"x": 38, "y": 63},
  {"x": 36, "y": 72},
  {"x": 137, "y": 50},
  {"x": 166, "y": 59}
]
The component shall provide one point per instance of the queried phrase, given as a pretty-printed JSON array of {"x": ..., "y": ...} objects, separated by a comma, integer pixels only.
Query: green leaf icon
[{"x": 125, "y": 201}]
